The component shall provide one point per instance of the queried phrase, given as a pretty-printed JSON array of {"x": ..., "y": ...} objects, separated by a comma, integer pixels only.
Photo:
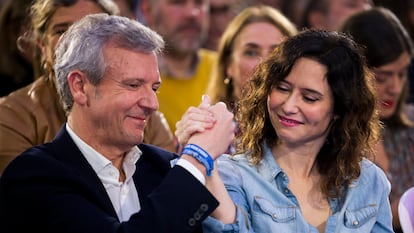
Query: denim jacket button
[
  {"x": 355, "y": 223},
  {"x": 274, "y": 216}
]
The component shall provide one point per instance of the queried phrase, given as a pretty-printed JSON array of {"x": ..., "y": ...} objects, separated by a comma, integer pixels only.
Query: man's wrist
[
  {"x": 194, "y": 167},
  {"x": 202, "y": 156}
]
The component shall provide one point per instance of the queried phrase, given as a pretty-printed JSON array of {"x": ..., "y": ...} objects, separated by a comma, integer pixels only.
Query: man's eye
[{"x": 133, "y": 85}]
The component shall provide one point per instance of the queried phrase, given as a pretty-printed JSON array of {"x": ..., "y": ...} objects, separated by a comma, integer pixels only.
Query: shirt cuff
[{"x": 192, "y": 169}]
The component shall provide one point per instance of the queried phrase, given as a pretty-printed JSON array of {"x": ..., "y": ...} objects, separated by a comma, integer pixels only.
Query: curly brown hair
[{"x": 354, "y": 130}]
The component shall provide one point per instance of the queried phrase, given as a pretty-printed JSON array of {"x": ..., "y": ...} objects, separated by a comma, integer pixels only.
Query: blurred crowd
[{"x": 213, "y": 47}]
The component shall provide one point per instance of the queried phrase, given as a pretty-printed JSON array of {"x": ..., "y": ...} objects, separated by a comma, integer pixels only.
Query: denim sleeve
[
  {"x": 384, "y": 217},
  {"x": 233, "y": 181}
]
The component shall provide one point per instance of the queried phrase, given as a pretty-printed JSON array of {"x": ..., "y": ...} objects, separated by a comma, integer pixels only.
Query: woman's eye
[
  {"x": 60, "y": 30},
  {"x": 403, "y": 75},
  {"x": 252, "y": 53},
  {"x": 282, "y": 88},
  {"x": 309, "y": 99},
  {"x": 379, "y": 78}
]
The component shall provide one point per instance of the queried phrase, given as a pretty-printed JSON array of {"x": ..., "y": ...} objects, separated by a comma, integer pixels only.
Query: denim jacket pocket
[
  {"x": 358, "y": 217},
  {"x": 280, "y": 214}
]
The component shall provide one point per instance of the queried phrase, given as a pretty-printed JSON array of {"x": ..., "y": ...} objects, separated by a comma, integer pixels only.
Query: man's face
[
  {"x": 182, "y": 23},
  {"x": 120, "y": 105},
  {"x": 221, "y": 13}
]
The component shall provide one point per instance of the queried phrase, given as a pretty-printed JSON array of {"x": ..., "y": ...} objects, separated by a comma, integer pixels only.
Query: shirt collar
[
  {"x": 98, "y": 161},
  {"x": 267, "y": 166}
]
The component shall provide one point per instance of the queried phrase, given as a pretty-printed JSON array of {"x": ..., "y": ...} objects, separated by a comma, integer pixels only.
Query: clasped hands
[{"x": 208, "y": 126}]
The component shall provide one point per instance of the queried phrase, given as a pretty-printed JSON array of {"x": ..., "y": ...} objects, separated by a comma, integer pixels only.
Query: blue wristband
[{"x": 201, "y": 155}]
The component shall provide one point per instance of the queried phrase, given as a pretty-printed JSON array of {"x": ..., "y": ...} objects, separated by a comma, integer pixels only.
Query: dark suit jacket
[{"x": 52, "y": 188}]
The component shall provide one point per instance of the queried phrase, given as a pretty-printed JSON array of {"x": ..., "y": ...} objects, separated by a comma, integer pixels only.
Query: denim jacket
[{"x": 265, "y": 204}]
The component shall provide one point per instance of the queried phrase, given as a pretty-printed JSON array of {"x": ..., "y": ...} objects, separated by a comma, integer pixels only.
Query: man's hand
[
  {"x": 195, "y": 120},
  {"x": 216, "y": 140}
]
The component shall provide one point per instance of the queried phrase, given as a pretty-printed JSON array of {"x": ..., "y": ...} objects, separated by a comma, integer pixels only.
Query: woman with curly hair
[{"x": 308, "y": 122}]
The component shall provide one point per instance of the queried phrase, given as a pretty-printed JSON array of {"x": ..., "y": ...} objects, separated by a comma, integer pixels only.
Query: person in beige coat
[{"x": 33, "y": 115}]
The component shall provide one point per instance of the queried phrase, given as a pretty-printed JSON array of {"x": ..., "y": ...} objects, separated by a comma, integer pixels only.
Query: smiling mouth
[
  {"x": 142, "y": 120},
  {"x": 288, "y": 122}
]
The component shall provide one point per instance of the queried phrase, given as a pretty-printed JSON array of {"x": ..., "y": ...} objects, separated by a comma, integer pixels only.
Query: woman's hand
[{"x": 195, "y": 120}]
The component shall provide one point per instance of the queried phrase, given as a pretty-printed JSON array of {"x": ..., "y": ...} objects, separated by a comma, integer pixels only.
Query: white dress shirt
[{"x": 123, "y": 195}]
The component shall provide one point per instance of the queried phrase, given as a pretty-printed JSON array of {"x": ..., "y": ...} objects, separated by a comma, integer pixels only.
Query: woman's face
[
  {"x": 389, "y": 82},
  {"x": 254, "y": 42},
  {"x": 301, "y": 106},
  {"x": 60, "y": 22}
]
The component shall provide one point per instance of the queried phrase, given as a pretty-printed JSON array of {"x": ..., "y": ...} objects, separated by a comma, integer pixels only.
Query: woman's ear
[{"x": 229, "y": 70}]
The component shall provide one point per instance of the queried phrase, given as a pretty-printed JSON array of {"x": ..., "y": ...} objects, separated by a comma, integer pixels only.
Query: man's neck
[{"x": 178, "y": 66}]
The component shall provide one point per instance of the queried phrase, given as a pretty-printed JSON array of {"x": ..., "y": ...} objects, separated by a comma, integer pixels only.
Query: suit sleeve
[
  {"x": 38, "y": 194},
  {"x": 175, "y": 206}
]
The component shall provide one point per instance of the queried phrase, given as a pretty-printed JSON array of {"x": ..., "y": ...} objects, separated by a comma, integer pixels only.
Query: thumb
[{"x": 205, "y": 102}]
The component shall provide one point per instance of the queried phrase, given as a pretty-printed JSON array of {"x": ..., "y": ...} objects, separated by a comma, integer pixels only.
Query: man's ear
[{"x": 77, "y": 81}]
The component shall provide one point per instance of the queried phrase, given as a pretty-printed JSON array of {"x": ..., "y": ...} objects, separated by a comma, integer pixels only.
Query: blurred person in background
[
  {"x": 388, "y": 49},
  {"x": 404, "y": 10},
  {"x": 248, "y": 39},
  {"x": 273, "y": 3},
  {"x": 221, "y": 13},
  {"x": 33, "y": 114},
  {"x": 330, "y": 14},
  {"x": 18, "y": 55},
  {"x": 293, "y": 10},
  {"x": 185, "y": 67},
  {"x": 126, "y": 8}
]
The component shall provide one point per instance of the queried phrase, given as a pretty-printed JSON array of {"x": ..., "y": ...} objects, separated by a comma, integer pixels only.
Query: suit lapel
[
  {"x": 152, "y": 167},
  {"x": 66, "y": 151}
]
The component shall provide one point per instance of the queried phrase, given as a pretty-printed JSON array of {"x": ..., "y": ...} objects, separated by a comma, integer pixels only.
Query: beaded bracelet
[{"x": 201, "y": 155}]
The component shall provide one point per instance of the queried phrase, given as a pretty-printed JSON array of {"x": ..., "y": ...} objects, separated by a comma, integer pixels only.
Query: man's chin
[
  {"x": 138, "y": 139},
  {"x": 137, "y": 134}
]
